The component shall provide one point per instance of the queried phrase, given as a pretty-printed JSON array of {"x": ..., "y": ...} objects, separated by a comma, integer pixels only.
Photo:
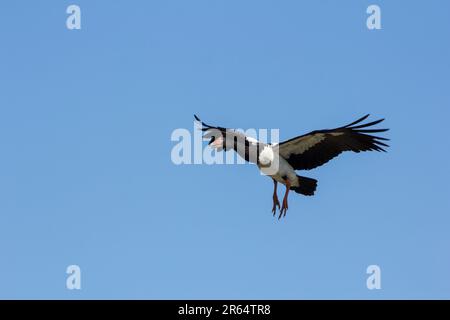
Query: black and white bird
[{"x": 305, "y": 152}]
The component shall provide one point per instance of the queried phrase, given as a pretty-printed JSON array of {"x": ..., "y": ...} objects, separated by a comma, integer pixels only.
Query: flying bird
[{"x": 305, "y": 152}]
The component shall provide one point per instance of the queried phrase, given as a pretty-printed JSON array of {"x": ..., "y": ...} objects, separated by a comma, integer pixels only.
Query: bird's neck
[{"x": 247, "y": 150}]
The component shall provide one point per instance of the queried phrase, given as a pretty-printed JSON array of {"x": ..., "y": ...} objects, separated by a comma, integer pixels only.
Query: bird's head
[{"x": 218, "y": 138}]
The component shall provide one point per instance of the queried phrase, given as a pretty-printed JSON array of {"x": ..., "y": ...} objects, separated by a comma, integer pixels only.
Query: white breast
[
  {"x": 266, "y": 156},
  {"x": 271, "y": 164}
]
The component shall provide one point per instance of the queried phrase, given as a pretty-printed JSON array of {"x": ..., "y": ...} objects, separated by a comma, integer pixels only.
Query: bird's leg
[
  {"x": 285, "y": 202},
  {"x": 276, "y": 202}
]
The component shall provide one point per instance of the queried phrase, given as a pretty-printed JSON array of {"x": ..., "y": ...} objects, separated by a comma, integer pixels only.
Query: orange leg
[
  {"x": 276, "y": 202},
  {"x": 285, "y": 202}
]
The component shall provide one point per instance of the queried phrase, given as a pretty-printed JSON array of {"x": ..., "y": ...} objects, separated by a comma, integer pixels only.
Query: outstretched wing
[{"x": 318, "y": 147}]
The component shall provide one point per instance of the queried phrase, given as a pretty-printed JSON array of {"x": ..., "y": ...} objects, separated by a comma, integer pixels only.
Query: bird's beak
[{"x": 217, "y": 143}]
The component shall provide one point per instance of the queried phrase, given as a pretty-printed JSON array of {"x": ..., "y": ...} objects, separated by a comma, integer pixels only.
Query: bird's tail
[{"x": 307, "y": 186}]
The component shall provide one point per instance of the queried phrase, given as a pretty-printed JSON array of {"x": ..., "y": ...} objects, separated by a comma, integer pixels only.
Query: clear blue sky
[{"x": 85, "y": 171}]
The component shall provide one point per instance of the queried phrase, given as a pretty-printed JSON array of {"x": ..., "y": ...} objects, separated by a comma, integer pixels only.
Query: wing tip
[{"x": 357, "y": 121}]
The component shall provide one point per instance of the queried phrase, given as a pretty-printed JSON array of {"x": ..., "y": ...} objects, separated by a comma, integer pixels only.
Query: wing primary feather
[
  {"x": 357, "y": 121},
  {"x": 375, "y": 137},
  {"x": 381, "y": 143},
  {"x": 368, "y": 124},
  {"x": 371, "y": 130}
]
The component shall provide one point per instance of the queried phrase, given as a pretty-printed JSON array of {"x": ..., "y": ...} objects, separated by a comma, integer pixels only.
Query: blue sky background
[{"x": 86, "y": 176}]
